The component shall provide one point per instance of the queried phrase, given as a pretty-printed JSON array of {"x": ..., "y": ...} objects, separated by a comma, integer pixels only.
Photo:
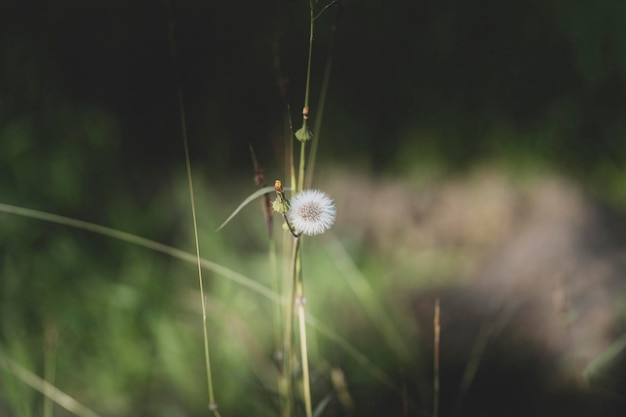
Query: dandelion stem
[{"x": 293, "y": 231}]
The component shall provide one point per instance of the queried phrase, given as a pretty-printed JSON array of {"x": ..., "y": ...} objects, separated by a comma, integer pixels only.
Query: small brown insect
[{"x": 278, "y": 186}]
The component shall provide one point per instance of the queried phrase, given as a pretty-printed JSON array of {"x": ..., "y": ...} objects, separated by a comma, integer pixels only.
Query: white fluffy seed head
[{"x": 312, "y": 212}]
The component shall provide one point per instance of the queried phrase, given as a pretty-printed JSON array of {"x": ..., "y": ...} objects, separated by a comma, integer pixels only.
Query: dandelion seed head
[{"x": 312, "y": 212}]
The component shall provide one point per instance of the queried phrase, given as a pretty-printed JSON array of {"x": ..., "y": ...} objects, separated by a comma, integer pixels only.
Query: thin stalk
[
  {"x": 307, "y": 93},
  {"x": 288, "y": 355},
  {"x": 308, "y": 71},
  {"x": 46, "y": 388},
  {"x": 183, "y": 128},
  {"x": 207, "y": 357},
  {"x": 289, "y": 146},
  {"x": 322, "y": 102},
  {"x": 302, "y": 168},
  {"x": 278, "y": 317},
  {"x": 306, "y": 379},
  {"x": 281, "y": 83},
  {"x": 276, "y": 288},
  {"x": 437, "y": 331}
]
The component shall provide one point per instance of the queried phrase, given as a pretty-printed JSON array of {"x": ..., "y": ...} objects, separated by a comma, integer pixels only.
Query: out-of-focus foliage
[{"x": 90, "y": 129}]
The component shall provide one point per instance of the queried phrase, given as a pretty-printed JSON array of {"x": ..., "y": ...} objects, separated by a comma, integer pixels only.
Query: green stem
[
  {"x": 305, "y": 109},
  {"x": 437, "y": 333},
  {"x": 322, "y": 102},
  {"x": 302, "y": 168},
  {"x": 183, "y": 129},
  {"x": 308, "y": 71},
  {"x": 278, "y": 316},
  {"x": 276, "y": 287},
  {"x": 303, "y": 350},
  {"x": 288, "y": 354}
]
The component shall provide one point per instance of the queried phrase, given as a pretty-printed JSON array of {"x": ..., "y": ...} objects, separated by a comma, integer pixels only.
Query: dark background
[{"x": 456, "y": 81}]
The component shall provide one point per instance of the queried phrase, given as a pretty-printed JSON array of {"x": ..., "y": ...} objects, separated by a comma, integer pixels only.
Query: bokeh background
[{"x": 420, "y": 92}]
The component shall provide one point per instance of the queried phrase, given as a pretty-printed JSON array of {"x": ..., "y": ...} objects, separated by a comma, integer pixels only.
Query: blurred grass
[
  {"x": 86, "y": 132},
  {"x": 129, "y": 324},
  {"x": 128, "y": 318},
  {"x": 124, "y": 319}
]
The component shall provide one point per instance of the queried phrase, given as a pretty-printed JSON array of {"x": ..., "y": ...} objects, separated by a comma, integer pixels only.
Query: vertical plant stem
[
  {"x": 276, "y": 287},
  {"x": 278, "y": 317},
  {"x": 307, "y": 93},
  {"x": 207, "y": 357},
  {"x": 303, "y": 350},
  {"x": 300, "y": 186},
  {"x": 308, "y": 71},
  {"x": 322, "y": 103},
  {"x": 437, "y": 330},
  {"x": 288, "y": 355},
  {"x": 183, "y": 128}
]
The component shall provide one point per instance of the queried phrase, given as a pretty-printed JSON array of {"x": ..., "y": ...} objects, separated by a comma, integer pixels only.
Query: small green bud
[
  {"x": 281, "y": 205},
  {"x": 304, "y": 134}
]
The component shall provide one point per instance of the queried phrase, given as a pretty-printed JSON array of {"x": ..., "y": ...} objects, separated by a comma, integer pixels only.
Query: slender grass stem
[
  {"x": 207, "y": 357},
  {"x": 437, "y": 330},
  {"x": 302, "y": 168},
  {"x": 322, "y": 101},
  {"x": 288, "y": 355},
  {"x": 46, "y": 388},
  {"x": 276, "y": 287},
  {"x": 183, "y": 128},
  {"x": 305, "y": 109},
  {"x": 297, "y": 266},
  {"x": 308, "y": 71},
  {"x": 289, "y": 145},
  {"x": 306, "y": 379}
]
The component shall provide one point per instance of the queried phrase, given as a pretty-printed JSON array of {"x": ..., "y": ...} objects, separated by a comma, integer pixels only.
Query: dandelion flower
[{"x": 312, "y": 212}]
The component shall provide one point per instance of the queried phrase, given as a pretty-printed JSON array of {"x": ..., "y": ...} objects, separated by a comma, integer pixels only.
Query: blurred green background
[{"x": 90, "y": 129}]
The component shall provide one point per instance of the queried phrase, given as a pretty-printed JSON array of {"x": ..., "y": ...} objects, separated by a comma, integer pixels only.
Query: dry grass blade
[
  {"x": 47, "y": 389},
  {"x": 143, "y": 242},
  {"x": 247, "y": 201}
]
